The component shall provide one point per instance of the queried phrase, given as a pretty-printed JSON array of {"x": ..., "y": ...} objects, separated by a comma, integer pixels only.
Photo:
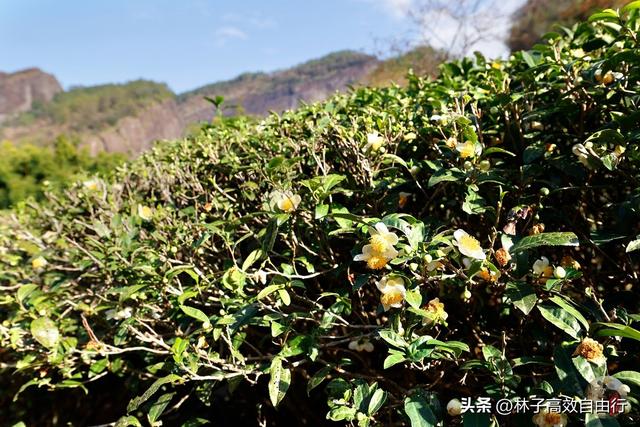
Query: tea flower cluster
[
  {"x": 468, "y": 149},
  {"x": 380, "y": 249},
  {"x": 286, "y": 201},
  {"x": 468, "y": 245},
  {"x": 543, "y": 270},
  {"x": 145, "y": 212},
  {"x": 374, "y": 141},
  {"x": 39, "y": 263},
  {"x": 435, "y": 313},
  {"x": 393, "y": 292}
]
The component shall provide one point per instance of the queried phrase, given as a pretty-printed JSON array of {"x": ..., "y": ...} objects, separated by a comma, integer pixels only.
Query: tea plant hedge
[{"x": 373, "y": 259}]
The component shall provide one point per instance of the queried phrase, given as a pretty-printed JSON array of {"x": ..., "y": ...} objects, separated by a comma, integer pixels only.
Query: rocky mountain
[
  {"x": 20, "y": 90},
  {"x": 127, "y": 124},
  {"x": 136, "y": 133},
  {"x": 260, "y": 93}
]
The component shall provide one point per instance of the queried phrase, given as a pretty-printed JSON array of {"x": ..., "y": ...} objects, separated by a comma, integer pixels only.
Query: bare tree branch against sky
[{"x": 462, "y": 26}]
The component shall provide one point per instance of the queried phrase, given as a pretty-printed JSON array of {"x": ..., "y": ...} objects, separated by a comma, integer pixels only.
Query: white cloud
[{"x": 227, "y": 33}]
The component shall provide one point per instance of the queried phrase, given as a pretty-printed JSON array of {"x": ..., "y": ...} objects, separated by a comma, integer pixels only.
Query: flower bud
[
  {"x": 454, "y": 407},
  {"x": 484, "y": 165},
  {"x": 559, "y": 273},
  {"x": 409, "y": 136}
]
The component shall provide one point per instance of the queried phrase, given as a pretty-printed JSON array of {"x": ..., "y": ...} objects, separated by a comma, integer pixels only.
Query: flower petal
[
  {"x": 381, "y": 228},
  {"x": 459, "y": 234},
  {"x": 382, "y": 284},
  {"x": 391, "y": 238},
  {"x": 390, "y": 253}
]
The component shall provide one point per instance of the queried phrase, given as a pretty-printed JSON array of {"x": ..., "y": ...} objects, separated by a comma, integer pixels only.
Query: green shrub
[
  {"x": 28, "y": 170},
  {"x": 221, "y": 275}
]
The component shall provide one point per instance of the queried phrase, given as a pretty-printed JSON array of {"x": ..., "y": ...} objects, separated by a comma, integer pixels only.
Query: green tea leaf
[
  {"x": 195, "y": 313},
  {"x": 137, "y": 401},
  {"x": 279, "y": 381},
  {"x": 521, "y": 295},
  {"x": 45, "y": 331},
  {"x": 545, "y": 239},
  {"x": 419, "y": 412},
  {"x": 561, "y": 319},
  {"x": 616, "y": 330},
  {"x": 377, "y": 400}
]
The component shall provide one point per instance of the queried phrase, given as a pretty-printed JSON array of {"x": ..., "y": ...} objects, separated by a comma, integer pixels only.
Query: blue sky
[{"x": 187, "y": 43}]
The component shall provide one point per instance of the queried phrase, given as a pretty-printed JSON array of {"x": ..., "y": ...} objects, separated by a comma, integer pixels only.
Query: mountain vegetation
[
  {"x": 421, "y": 60},
  {"x": 378, "y": 258},
  {"x": 537, "y": 17},
  {"x": 96, "y": 107},
  {"x": 329, "y": 66},
  {"x": 28, "y": 171}
]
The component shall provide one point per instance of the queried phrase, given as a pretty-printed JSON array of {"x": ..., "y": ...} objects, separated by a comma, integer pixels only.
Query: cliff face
[
  {"x": 19, "y": 90},
  {"x": 135, "y": 134}
]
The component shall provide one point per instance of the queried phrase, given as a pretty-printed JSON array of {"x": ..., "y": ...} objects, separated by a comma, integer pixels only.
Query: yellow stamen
[
  {"x": 547, "y": 274},
  {"x": 376, "y": 262},
  {"x": 287, "y": 205},
  {"x": 391, "y": 298},
  {"x": 468, "y": 150},
  {"x": 469, "y": 243},
  {"x": 378, "y": 243}
]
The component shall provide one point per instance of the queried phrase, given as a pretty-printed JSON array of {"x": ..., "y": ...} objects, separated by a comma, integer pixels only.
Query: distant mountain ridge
[
  {"x": 259, "y": 93},
  {"x": 167, "y": 116},
  {"x": 20, "y": 90}
]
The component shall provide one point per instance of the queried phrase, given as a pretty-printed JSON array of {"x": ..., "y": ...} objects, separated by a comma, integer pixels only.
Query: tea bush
[{"x": 364, "y": 260}]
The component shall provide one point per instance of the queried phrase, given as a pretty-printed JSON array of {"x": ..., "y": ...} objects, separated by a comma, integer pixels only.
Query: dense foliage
[
  {"x": 96, "y": 107},
  {"x": 365, "y": 259},
  {"x": 28, "y": 170},
  {"x": 535, "y": 17},
  {"x": 422, "y": 60}
]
